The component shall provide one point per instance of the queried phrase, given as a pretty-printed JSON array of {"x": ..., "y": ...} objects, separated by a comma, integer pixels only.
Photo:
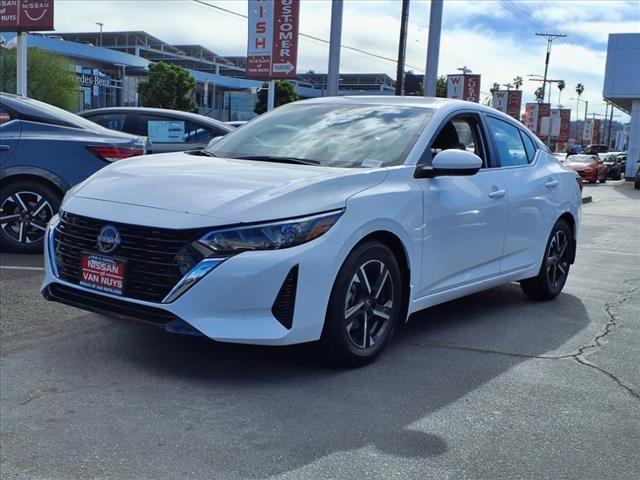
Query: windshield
[
  {"x": 329, "y": 134},
  {"x": 580, "y": 159}
]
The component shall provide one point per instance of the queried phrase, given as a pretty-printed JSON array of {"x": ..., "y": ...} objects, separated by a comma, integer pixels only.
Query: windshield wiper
[
  {"x": 274, "y": 158},
  {"x": 201, "y": 153}
]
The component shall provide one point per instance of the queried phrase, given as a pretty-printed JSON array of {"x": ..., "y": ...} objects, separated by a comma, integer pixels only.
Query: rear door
[
  {"x": 10, "y": 131},
  {"x": 533, "y": 194}
]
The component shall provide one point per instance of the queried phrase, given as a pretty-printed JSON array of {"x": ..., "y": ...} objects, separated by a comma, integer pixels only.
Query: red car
[{"x": 589, "y": 167}]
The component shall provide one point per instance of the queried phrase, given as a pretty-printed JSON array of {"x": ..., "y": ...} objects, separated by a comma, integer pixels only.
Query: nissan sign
[{"x": 26, "y": 15}]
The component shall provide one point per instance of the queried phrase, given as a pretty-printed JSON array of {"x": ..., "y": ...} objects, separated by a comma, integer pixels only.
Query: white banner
[
  {"x": 587, "y": 133},
  {"x": 260, "y": 28},
  {"x": 455, "y": 86},
  {"x": 500, "y": 100}
]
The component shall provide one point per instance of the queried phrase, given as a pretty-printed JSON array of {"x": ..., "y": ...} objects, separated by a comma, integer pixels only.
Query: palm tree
[
  {"x": 539, "y": 94},
  {"x": 494, "y": 87},
  {"x": 579, "y": 90},
  {"x": 517, "y": 82},
  {"x": 561, "y": 86}
]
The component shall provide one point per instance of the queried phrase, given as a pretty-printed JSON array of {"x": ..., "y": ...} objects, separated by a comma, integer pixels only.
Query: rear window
[
  {"x": 112, "y": 121},
  {"x": 171, "y": 130},
  {"x": 41, "y": 112}
]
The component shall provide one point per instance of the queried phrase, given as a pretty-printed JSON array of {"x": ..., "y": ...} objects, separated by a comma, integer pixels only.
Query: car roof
[
  {"x": 443, "y": 105},
  {"x": 159, "y": 111}
]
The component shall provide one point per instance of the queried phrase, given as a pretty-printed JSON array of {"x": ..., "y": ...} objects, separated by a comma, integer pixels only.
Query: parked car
[
  {"x": 636, "y": 183},
  {"x": 589, "y": 167},
  {"x": 595, "y": 149},
  {"x": 615, "y": 163},
  {"x": 560, "y": 157},
  {"x": 167, "y": 130},
  {"x": 330, "y": 219},
  {"x": 44, "y": 151}
]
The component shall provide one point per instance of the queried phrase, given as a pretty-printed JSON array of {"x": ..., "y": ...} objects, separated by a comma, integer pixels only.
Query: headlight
[{"x": 270, "y": 236}]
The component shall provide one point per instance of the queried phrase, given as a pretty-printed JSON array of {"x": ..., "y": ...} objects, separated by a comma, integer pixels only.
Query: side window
[
  {"x": 112, "y": 121},
  {"x": 462, "y": 133},
  {"x": 171, "y": 130},
  {"x": 508, "y": 143},
  {"x": 528, "y": 146}
]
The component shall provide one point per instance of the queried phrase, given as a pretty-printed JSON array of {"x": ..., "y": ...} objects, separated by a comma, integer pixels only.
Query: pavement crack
[
  {"x": 484, "y": 350},
  {"x": 601, "y": 339}
]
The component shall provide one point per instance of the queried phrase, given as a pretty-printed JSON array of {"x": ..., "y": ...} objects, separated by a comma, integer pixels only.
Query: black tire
[
  {"x": 344, "y": 341},
  {"x": 636, "y": 184},
  {"x": 556, "y": 263},
  {"x": 22, "y": 230},
  {"x": 604, "y": 178}
]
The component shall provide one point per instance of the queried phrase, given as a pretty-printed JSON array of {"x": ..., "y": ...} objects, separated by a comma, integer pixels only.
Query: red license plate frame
[{"x": 104, "y": 274}]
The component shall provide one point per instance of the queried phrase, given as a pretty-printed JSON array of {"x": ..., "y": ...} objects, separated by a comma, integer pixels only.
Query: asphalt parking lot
[{"x": 492, "y": 386}]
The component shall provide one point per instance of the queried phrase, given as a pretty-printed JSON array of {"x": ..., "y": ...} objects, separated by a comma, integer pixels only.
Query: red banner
[
  {"x": 471, "y": 92},
  {"x": 514, "y": 103},
  {"x": 272, "y": 50},
  {"x": 26, "y": 15},
  {"x": 596, "y": 132},
  {"x": 565, "y": 125}
]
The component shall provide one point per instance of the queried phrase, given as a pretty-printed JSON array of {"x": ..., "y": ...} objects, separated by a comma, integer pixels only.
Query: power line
[
  {"x": 312, "y": 37},
  {"x": 528, "y": 17}
]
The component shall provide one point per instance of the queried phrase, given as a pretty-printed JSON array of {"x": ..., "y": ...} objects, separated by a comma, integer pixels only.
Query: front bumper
[{"x": 234, "y": 301}]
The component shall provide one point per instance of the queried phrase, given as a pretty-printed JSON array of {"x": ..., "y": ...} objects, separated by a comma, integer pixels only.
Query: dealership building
[
  {"x": 109, "y": 66},
  {"x": 622, "y": 88}
]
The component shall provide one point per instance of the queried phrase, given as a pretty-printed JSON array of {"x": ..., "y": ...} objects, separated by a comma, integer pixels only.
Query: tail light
[{"x": 111, "y": 154}]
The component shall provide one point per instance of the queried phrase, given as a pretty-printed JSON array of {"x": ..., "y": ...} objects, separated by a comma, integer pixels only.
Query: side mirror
[
  {"x": 213, "y": 141},
  {"x": 452, "y": 162}
]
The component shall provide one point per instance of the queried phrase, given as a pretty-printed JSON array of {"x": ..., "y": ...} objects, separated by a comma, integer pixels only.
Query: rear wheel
[
  {"x": 25, "y": 209},
  {"x": 555, "y": 265},
  {"x": 364, "y": 307}
]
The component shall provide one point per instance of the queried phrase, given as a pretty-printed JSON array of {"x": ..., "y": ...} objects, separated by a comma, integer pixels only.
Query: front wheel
[
  {"x": 25, "y": 209},
  {"x": 555, "y": 265},
  {"x": 364, "y": 307}
]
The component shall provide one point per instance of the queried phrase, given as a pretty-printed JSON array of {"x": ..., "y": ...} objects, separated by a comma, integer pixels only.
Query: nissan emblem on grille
[{"x": 109, "y": 239}]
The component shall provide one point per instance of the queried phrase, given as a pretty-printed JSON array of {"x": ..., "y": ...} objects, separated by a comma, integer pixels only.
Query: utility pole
[
  {"x": 609, "y": 130},
  {"x": 21, "y": 64},
  {"x": 402, "y": 48},
  {"x": 100, "y": 24},
  {"x": 430, "y": 81},
  {"x": 333, "y": 77},
  {"x": 550, "y": 38}
]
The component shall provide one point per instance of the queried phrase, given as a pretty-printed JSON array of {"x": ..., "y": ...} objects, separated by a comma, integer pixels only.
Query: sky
[{"x": 495, "y": 38}]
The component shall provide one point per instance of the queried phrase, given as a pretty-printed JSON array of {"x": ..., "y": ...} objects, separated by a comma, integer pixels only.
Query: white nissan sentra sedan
[{"x": 326, "y": 220}]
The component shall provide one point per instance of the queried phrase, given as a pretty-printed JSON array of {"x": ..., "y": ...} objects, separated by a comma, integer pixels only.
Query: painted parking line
[{"x": 12, "y": 267}]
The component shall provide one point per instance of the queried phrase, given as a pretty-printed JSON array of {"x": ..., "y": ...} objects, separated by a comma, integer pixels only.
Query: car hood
[{"x": 225, "y": 190}]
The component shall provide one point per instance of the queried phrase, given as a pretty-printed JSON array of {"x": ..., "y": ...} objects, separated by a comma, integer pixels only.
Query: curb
[{"x": 588, "y": 199}]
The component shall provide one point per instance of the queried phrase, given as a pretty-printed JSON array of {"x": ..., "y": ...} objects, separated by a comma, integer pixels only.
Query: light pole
[
  {"x": 550, "y": 38},
  {"x": 586, "y": 106},
  {"x": 100, "y": 24},
  {"x": 430, "y": 81}
]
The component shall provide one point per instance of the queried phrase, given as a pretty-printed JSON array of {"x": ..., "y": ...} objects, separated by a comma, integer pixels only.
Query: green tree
[
  {"x": 517, "y": 82},
  {"x": 441, "y": 87},
  {"x": 285, "y": 93},
  {"x": 49, "y": 77},
  {"x": 561, "y": 86},
  {"x": 168, "y": 86}
]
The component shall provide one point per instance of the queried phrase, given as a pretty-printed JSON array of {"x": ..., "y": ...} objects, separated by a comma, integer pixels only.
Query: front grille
[
  {"x": 157, "y": 258},
  {"x": 106, "y": 306}
]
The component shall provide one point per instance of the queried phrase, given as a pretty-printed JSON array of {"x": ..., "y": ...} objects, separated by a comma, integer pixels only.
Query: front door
[{"x": 464, "y": 216}]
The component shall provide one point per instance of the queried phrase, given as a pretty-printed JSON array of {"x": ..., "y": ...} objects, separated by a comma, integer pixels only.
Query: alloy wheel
[
  {"x": 369, "y": 304},
  {"x": 24, "y": 216},
  {"x": 558, "y": 259}
]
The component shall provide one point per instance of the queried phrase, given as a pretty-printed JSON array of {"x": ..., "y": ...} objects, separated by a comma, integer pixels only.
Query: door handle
[
  {"x": 497, "y": 194},
  {"x": 552, "y": 183},
  {"x": 5, "y": 147}
]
